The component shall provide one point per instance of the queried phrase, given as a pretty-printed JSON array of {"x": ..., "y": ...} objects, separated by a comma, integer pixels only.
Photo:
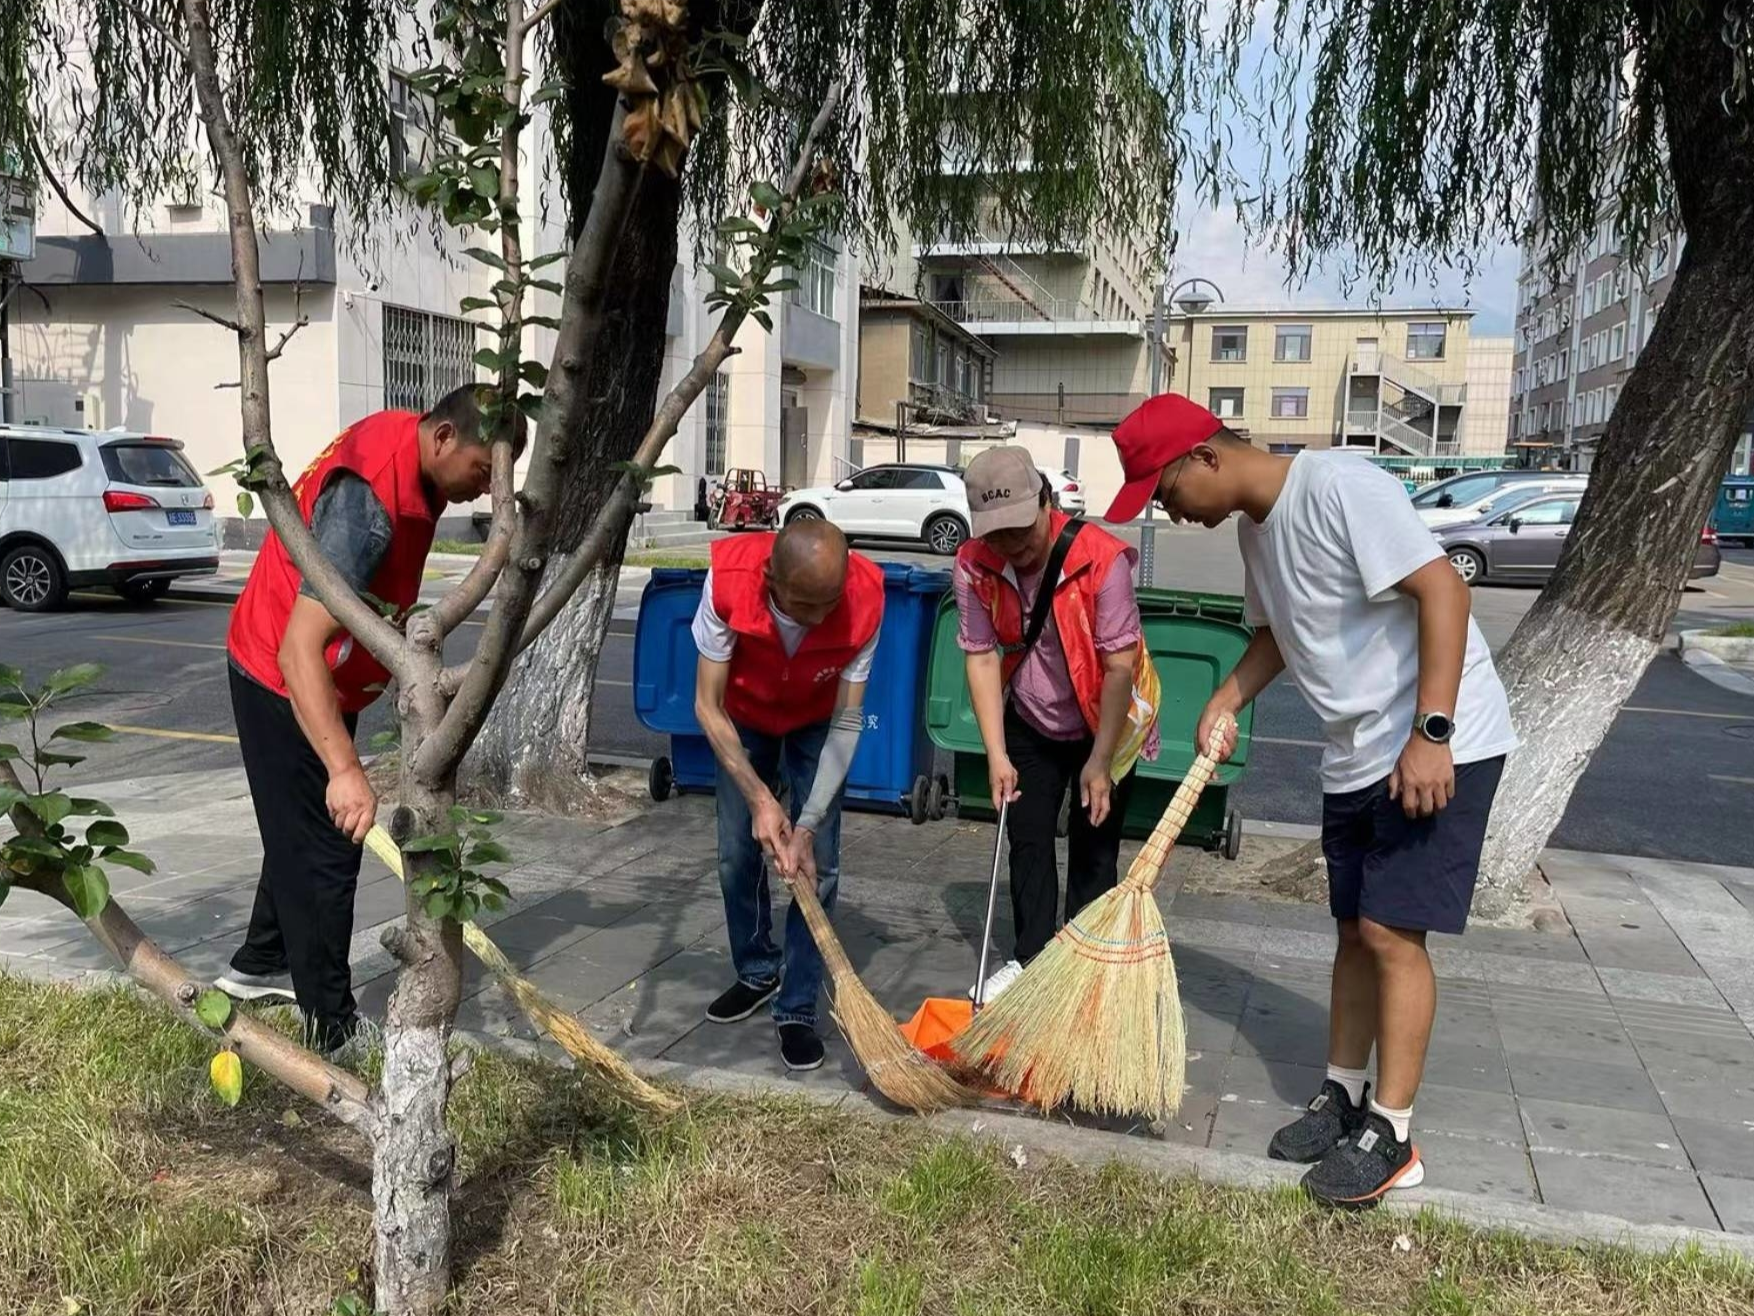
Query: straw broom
[
  {"x": 564, "y": 1028},
  {"x": 1096, "y": 1019},
  {"x": 907, "y": 1077}
]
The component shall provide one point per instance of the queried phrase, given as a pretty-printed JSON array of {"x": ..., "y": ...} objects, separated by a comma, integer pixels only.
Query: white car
[
  {"x": 79, "y": 508},
  {"x": 1474, "y": 502},
  {"x": 1068, "y": 493},
  {"x": 895, "y": 501}
]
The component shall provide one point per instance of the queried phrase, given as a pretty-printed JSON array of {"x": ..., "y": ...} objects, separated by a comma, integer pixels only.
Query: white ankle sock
[
  {"x": 1402, "y": 1120},
  {"x": 1350, "y": 1079}
]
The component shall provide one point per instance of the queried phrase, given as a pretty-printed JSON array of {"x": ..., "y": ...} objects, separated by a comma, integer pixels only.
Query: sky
[{"x": 1212, "y": 245}]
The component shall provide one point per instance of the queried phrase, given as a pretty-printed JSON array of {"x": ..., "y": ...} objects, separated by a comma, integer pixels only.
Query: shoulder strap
[{"x": 1044, "y": 596}]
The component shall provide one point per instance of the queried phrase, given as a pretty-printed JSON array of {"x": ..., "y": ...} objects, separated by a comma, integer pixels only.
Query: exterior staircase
[
  {"x": 1017, "y": 280},
  {"x": 660, "y": 529}
]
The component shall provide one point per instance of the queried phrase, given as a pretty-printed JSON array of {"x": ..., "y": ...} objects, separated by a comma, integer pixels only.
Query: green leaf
[
  {"x": 766, "y": 195},
  {"x": 131, "y": 859},
  {"x": 490, "y": 902},
  {"x": 425, "y": 884},
  {"x": 725, "y": 276},
  {"x": 68, "y": 679},
  {"x": 762, "y": 318},
  {"x": 9, "y": 796},
  {"x": 781, "y": 285},
  {"x": 438, "y": 905},
  {"x": 33, "y": 845},
  {"x": 106, "y": 832},
  {"x": 534, "y": 373},
  {"x": 544, "y": 94},
  {"x": 439, "y": 841},
  {"x": 547, "y": 285},
  {"x": 48, "y": 758},
  {"x": 50, "y": 808},
  {"x": 485, "y": 180},
  {"x": 385, "y": 740},
  {"x": 246, "y": 504},
  {"x": 468, "y": 905},
  {"x": 89, "y": 889},
  {"x": 477, "y": 304},
  {"x": 486, "y": 817},
  {"x": 10, "y": 675},
  {"x": 739, "y": 224},
  {"x": 91, "y": 732},
  {"x": 213, "y": 1008},
  {"x": 489, "y": 852},
  {"x": 84, "y": 807},
  {"x": 531, "y": 405},
  {"x": 487, "y": 359},
  {"x": 547, "y": 258},
  {"x": 544, "y": 321},
  {"x": 486, "y": 257}
]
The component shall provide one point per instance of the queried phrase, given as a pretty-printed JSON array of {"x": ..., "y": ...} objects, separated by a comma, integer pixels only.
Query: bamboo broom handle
[
  {"x": 834, "y": 955},
  {"x": 1147, "y": 865}
]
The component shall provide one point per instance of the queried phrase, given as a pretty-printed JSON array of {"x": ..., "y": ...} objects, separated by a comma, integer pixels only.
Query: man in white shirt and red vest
[
  {"x": 787, "y": 628},
  {"x": 299, "y": 682},
  {"x": 1352, "y": 598},
  {"x": 1063, "y": 688}
]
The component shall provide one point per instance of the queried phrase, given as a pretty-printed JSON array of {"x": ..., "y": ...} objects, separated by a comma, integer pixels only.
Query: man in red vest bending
[
  {"x": 787, "y": 627},
  {"x": 298, "y": 683}
]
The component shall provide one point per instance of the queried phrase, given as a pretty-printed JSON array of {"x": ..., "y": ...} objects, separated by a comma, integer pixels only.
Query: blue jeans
[{"x": 743, "y": 875}]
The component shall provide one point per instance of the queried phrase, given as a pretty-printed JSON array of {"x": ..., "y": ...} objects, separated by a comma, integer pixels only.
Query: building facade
[{"x": 1395, "y": 382}]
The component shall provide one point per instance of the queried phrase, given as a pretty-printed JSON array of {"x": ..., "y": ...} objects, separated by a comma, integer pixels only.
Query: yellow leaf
[{"x": 227, "y": 1076}]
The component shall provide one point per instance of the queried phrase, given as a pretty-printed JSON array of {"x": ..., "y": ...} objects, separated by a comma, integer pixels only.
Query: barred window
[
  {"x": 816, "y": 281},
  {"x": 425, "y": 357},
  {"x": 718, "y": 412}
]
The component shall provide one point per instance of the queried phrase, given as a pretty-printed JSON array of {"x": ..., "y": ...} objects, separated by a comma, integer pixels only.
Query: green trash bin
[{"x": 1195, "y": 640}]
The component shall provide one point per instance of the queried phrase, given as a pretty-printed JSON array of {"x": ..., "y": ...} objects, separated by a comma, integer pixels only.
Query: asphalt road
[{"x": 1675, "y": 778}]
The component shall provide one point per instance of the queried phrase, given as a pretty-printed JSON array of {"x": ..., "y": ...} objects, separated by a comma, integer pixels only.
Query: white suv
[
  {"x": 899, "y": 501},
  {"x": 79, "y": 508}
]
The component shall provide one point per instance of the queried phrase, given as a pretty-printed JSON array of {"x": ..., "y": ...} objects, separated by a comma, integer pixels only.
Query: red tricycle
[{"x": 744, "y": 500}]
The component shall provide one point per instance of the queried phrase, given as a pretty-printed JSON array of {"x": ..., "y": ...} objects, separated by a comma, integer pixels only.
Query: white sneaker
[
  {"x": 997, "y": 981},
  {"x": 255, "y": 986}
]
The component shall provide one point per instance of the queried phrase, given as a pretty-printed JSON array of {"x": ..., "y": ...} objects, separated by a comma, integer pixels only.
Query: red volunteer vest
[
  {"x": 768, "y": 691},
  {"x": 384, "y": 451},
  {"x": 1087, "y": 564}
]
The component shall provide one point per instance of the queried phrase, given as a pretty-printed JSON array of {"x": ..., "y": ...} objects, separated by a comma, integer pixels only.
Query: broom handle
[
  {"x": 1142, "y": 874},
  {"x": 980, "y": 982},
  {"x": 834, "y": 955}
]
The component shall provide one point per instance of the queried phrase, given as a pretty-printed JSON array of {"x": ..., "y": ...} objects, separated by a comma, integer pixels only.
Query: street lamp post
[{"x": 1193, "y": 304}]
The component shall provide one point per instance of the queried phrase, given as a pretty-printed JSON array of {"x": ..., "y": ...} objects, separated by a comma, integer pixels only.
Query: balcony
[
  {"x": 1035, "y": 315},
  {"x": 943, "y": 404},
  {"x": 1409, "y": 377}
]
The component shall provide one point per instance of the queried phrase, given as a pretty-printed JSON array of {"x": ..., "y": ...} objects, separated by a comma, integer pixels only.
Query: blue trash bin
[{"x": 892, "y": 770}]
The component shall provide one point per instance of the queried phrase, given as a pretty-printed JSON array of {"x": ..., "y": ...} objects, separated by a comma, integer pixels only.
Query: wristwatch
[{"x": 1435, "y": 727}]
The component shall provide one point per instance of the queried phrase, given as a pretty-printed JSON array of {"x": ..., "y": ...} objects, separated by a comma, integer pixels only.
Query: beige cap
[{"x": 1004, "y": 490}]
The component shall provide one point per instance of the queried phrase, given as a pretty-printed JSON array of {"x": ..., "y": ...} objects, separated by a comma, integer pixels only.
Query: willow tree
[
  {"x": 1092, "y": 87},
  {"x": 1402, "y": 135}
]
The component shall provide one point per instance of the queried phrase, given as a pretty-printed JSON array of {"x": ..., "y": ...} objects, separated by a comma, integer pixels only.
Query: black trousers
[
  {"x": 1046, "y": 770},
  {"x": 303, "y": 918}
]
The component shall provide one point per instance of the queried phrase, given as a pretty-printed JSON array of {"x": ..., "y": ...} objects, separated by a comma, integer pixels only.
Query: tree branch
[
  {"x": 306, "y": 1073},
  {"x": 36, "y": 148},
  {"x": 613, "y": 520},
  {"x": 382, "y": 640},
  {"x": 217, "y": 319},
  {"x": 539, "y": 16},
  {"x": 169, "y": 38}
]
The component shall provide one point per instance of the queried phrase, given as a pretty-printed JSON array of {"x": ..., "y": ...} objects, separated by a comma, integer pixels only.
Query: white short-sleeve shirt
[
  {"x": 716, "y": 640},
  {"x": 1321, "y": 571}
]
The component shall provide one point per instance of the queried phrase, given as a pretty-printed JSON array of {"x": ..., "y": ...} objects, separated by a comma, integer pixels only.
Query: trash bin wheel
[
  {"x": 938, "y": 797},
  {"x": 1232, "y": 835},
  {"x": 918, "y": 806},
  {"x": 660, "y": 778}
]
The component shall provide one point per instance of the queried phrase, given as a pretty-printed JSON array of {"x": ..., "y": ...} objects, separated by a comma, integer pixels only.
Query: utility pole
[{"x": 8, "y": 406}]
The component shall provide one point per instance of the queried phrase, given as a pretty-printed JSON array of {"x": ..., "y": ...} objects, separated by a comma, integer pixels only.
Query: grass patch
[
  {"x": 459, "y": 547},
  {"x": 657, "y": 557},
  {"x": 125, "y": 1187},
  {"x": 1741, "y": 630}
]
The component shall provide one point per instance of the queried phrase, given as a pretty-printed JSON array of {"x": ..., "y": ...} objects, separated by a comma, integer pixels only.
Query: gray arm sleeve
[
  {"x": 352, "y": 528},
  {"x": 832, "y": 767}
]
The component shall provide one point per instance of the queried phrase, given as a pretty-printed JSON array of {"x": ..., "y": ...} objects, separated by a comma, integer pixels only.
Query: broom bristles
[
  {"x": 1096, "y": 1021},
  {"x": 572, "y": 1036}
]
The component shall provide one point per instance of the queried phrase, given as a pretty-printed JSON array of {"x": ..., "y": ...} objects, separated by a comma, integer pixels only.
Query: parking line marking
[
  {"x": 162, "y": 603},
  {"x": 1688, "y": 712},
  {"x": 604, "y": 680},
  {"x": 146, "y": 639},
  {"x": 1300, "y": 744},
  {"x": 1737, "y": 781},
  {"x": 209, "y": 736}
]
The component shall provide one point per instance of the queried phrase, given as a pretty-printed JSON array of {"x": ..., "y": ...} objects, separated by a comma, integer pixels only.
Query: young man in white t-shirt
[{"x": 1351, "y": 595}]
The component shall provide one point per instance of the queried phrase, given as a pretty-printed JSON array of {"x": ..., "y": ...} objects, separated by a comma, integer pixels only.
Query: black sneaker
[
  {"x": 1358, "y": 1173},
  {"x": 1330, "y": 1117},
  {"x": 739, "y": 1002},
  {"x": 800, "y": 1048}
]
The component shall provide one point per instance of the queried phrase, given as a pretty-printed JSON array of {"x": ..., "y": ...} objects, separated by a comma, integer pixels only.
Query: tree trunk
[
  {"x": 1582, "y": 648},
  {"x": 531, "y": 751}
]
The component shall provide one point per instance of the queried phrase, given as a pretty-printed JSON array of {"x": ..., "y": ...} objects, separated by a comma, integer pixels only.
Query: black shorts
[{"x": 1413, "y": 873}]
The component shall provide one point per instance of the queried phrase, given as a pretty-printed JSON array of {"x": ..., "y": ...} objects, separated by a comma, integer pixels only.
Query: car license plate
[{"x": 181, "y": 518}]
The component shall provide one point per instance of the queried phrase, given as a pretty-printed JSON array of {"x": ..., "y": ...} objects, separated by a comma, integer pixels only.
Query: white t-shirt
[
  {"x": 716, "y": 640},
  {"x": 1321, "y": 571}
]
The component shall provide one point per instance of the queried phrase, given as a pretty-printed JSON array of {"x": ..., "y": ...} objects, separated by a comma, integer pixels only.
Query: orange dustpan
[{"x": 941, "y": 1018}]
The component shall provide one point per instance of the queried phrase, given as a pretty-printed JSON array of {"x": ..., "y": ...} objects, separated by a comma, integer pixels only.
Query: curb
[{"x": 1717, "y": 659}]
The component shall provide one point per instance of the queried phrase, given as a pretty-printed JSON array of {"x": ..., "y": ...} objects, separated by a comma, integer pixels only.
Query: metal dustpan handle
[{"x": 980, "y": 982}]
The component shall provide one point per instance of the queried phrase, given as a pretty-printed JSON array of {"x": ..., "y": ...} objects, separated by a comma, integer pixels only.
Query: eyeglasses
[{"x": 1163, "y": 499}]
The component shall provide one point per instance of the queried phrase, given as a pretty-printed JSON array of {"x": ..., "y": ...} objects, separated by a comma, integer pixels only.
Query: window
[
  {"x": 1230, "y": 342},
  {"x": 1564, "y": 362},
  {"x": 1617, "y": 342},
  {"x": 1589, "y": 299},
  {"x": 1610, "y": 396},
  {"x": 915, "y": 479},
  {"x": 1291, "y": 342},
  {"x": 1425, "y": 341},
  {"x": 919, "y": 355},
  {"x": 425, "y": 357},
  {"x": 718, "y": 416},
  {"x": 1291, "y": 403},
  {"x": 1460, "y": 491},
  {"x": 880, "y": 477},
  {"x": 40, "y": 459},
  {"x": 1224, "y": 402},
  {"x": 1555, "y": 511},
  {"x": 1622, "y": 283},
  {"x": 148, "y": 463},
  {"x": 411, "y": 120},
  {"x": 816, "y": 281}
]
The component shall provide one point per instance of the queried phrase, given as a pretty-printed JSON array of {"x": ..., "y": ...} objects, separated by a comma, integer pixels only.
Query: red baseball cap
[{"x": 1159, "y": 431}]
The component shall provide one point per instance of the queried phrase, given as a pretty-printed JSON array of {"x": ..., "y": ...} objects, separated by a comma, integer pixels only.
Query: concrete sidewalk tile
[
  {"x": 655, "y": 1011},
  {"x": 1719, "y": 1147},
  {"x": 1205, "y": 933},
  {"x": 1606, "y": 1042},
  {"x": 1733, "y": 1200},
  {"x": 1545, "y": 975},
  {"x": 1459, "y": 1112},
  {"x": 1599, "y": 1131},
  {"x": 1254, "y": 1079},
  {"x": 1462, "y": 1065},
  {"x": 1639, "y": 1193},
  {"x": 1472, "y": 1165},
  {"x": 1209, "y": 1032},
  {"x": 1294, "y": 944},
  {"x": 752, "y": 1047},
  {"x": 1247, "y": 1124},
  {"x": 1288, "y": 1029},
  {"x": 1507, "y": 941},
  {"x": 1708, "y": 1097},
  {"x": 1659, "y": 988},
  {"x": 1566, "y": 1078},
  {"x": 1651, "y": 949}
]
